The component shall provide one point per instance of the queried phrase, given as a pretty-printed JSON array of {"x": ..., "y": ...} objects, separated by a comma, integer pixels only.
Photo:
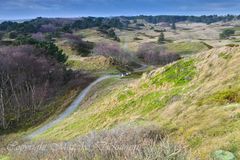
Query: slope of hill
[{"x": 195, "y": 100}]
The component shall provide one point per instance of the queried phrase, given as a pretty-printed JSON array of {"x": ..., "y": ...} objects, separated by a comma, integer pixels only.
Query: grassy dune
[
  {"x": 93, "y": 64},
  {"x": 196, "y": 100},
  {"x": 186, "y": 47}
]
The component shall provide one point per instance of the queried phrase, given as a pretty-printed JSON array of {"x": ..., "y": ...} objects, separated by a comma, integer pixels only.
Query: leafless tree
[
  {"x": 46, "y": 28},
  {"x": 113, "y": 50},
  {"x": 27, "y": 78},
  {"x": 155, "y": 54},
  {"x": 38, "y": 36}
]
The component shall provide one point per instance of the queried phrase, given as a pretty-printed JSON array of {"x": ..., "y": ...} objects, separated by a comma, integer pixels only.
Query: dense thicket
[
  {"x": 172, "y": 19},
  {"x": 36, "y": 25},
  {"x": 154, "y": 54},
  {"x": 27, "y": 79},
  {"x": 50, "y": 49},
  {"x": 89, "y": 22},
  {"x": 59, "y": 24},
  {"x": 55, "y": 25},
  {"x": 113, "y": 50}
]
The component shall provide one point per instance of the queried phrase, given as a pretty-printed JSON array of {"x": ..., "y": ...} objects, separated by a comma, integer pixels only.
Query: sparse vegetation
[{"x": 112, "y": 34}]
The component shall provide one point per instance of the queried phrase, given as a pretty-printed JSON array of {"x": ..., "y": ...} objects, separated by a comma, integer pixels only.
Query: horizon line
[{"x": 109, "y": 16}]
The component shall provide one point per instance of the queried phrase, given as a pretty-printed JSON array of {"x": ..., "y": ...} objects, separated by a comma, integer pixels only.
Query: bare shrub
[
  {"x": 154, "y": 54},
  {"x": 113, "y": 50},
  {"x": 39, "y": 36},
  {"x": 124, "y": 143},
  {"x": 146, "y": 47},
  {"x": 47, "y": 28}
]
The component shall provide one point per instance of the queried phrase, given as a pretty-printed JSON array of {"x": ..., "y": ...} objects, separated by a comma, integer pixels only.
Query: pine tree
[
  {"x": 173, "y": 26},
  {"x": 161, "y": 38}
]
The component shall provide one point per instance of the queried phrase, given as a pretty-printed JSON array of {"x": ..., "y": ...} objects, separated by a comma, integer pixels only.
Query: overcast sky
[{"x": 22, "y": 9}]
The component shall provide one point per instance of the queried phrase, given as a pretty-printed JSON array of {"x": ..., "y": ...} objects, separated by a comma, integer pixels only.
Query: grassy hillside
[
  {"x": 188, "y": 47},
  {"x": 93, "y": 64},
  {"x": 196, "y": 100}
]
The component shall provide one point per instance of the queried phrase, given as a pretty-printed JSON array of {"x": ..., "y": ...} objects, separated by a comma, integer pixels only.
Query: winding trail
[{"x": 75, "y": 104}]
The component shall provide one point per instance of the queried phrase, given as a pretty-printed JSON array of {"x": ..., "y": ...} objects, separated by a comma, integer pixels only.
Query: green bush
[
  {"x": 226, "y": 33},
  {"x": 50, "y": 48},
  {"x": 12, "y": 35}
]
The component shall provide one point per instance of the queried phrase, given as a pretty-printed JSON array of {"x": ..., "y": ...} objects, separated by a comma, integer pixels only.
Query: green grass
[
  {"x": 179, "y": 73},
  {"x": 4, "y": 157},
  {"x": 185, "y": 48},
  {"x": 123, "y": 96},
  {"x": 195, "y": 141},
  {"x": 222, "y": 97},
  {"x": 225, "y": 55},
  {"x": 236, "y": 28}
]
